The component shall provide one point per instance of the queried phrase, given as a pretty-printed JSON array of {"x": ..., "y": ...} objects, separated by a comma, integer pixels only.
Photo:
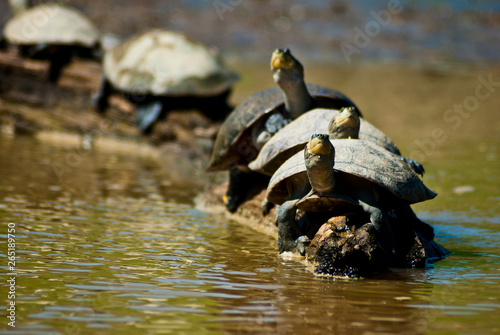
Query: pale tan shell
[
  {"x": 162, "y": 62},
  {"x": 294, "y": 136},
  {"x": 359, "y": 158},
  {"x": 51, "y": 24}
]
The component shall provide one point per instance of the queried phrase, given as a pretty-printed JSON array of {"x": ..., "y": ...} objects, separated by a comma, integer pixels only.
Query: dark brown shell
[
  {"x": 359, "y": 158},
  {"x": 294, "y": 136},
  {"x": 233, "y": 144}
]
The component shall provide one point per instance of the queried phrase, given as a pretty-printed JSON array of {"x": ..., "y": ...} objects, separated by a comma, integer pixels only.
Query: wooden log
[{"x": 347, "y": 246}]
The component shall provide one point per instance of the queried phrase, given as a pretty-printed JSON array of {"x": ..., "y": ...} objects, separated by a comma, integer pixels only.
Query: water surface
[
  {"x": 109, "y": 250},
  {"x": 110, "y": 241}
]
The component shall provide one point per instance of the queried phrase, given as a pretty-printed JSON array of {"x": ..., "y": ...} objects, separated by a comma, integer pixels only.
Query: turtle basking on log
[
  {"x": 161, "y": 70},
  {"x": 250, "y": 125},
  {"x": 52, "y": 32},
  {"x": 341, "y": 176}
]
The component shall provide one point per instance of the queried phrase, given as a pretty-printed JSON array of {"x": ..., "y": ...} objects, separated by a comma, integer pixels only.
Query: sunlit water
[{"x": 108, "y": 249}]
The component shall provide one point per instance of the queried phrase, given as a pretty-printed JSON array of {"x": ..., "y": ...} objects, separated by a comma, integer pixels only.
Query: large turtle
[
  {"x": 292, "y": 138},
  {"x": 340, "y": 176},
  {"x": 254, "y": 121},
  {"x": 161, "y": 70},
  {"x": 53, "y": 32}
]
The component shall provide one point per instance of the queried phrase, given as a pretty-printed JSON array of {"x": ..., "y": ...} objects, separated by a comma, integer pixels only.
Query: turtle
[
  {"x": 159, "y": 70},
  {"x": 341, "y": 176},
  {"x": 260, "y": 116},
  {"x": 53, "y": 32},
  {"x": 292, "y": 138}
]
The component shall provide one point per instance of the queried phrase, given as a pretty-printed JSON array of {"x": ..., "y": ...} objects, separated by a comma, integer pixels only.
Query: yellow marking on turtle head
[
  {"x": 282, "y": 59},
  {"x": 318, "y": 146},
  {"x": 347, "y": 116}
]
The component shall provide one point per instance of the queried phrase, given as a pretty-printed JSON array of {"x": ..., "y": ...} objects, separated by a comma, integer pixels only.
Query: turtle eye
[{"x": 287, "y": 51}]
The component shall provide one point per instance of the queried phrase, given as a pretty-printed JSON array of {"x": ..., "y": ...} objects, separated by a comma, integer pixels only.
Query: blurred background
[
  {"x": 414, "y": 31},
  {"x": 366, "y": 49}
]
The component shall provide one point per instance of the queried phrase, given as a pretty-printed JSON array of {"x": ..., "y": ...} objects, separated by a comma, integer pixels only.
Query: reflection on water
[{"x": 108, "y": 249}]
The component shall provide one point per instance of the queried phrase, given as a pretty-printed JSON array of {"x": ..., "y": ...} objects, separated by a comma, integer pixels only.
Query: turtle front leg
[
  {"x": 147, "y": 115},
  {"x": 235, "y": 190},
  {"x": 57, "y": 62},
  {"x": 243, "y": 185},
  {"x": 266, "y": 206},
  {"x": 379, "y": 220},
  {"x": 101, "y": 97},
  {"x": 289, "y": 233}
]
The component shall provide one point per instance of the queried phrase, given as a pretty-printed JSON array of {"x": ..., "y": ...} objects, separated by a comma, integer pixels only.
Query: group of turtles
[
  {"x": 307, "y": 144},
  {"x": 156, "y": 70},
  {"x": 314, "y": 152}
]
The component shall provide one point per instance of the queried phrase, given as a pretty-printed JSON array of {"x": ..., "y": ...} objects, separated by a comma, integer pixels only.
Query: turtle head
[
  {"x": 319, "y": 144},
  {"x": 319, "y": 156},
  {"x": 345, "y": 124},
  {"x": 285, "y": 67}
]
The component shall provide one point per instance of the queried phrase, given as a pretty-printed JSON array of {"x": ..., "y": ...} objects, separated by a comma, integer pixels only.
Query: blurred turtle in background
[
  {"x": 52, "y": 32},
  {"x": 251, "y": 124},
  {"x": 162, "y": 70}
]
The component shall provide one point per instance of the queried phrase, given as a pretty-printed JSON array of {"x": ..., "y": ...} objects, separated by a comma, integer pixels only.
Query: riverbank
[{"x": 29, "y": 104}]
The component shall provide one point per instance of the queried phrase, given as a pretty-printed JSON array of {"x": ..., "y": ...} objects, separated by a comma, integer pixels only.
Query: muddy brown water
[{"x": 110, "y": 240}]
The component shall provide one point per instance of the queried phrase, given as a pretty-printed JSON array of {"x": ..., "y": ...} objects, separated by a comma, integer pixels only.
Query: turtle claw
[{"x": 302, "y": 243}]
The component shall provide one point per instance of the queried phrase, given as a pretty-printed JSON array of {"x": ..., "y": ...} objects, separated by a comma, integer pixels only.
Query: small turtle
[
  {"x": 260, "y": 116},
  {"x": 344, "y": 124},
  {"x": 161, "y": 70},
  {"x": 53, "y": 32},
  {"x": 340, "y": 176}
]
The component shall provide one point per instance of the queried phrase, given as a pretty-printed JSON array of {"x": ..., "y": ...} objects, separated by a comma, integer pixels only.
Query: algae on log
[{"x": 347, "y": 246}]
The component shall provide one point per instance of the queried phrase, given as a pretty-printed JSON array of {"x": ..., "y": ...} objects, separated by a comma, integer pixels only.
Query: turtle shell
[
  {"x": 166, "y": 63},
  {"x": 294, "y": 136},
  {"x": 233, "y": 143},
  {"x": 361, "y": 159},
  {"x": 51, "y": 24}
]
